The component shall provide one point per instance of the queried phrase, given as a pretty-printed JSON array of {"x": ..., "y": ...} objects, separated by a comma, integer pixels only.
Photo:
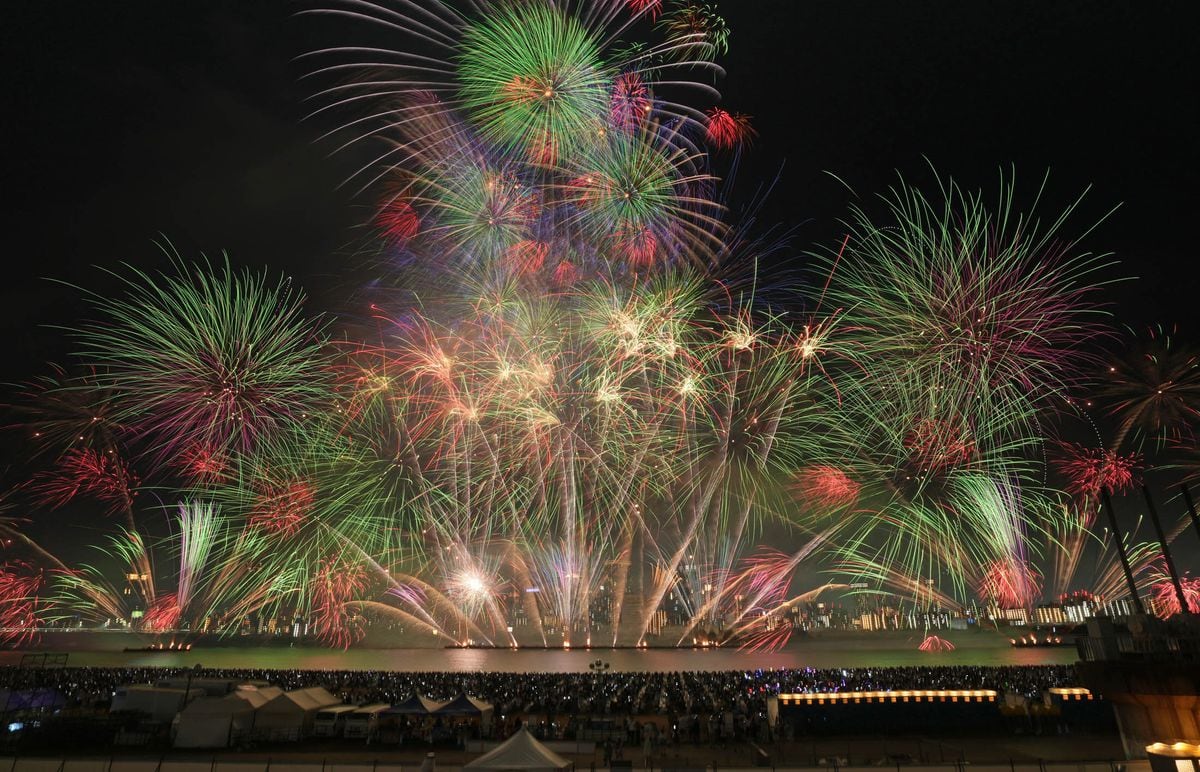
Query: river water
[{"x": 823, "y": 651}]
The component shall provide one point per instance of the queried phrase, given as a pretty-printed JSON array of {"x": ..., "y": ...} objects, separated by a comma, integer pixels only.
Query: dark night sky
[{"x": 126, "y": 120}]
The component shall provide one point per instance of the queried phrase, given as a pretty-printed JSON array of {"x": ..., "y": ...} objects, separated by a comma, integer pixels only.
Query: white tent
[
  {"x": 522, "y": 751},
  {"x": 160, "y": 703},
  {"x": 212, "y": 722},
  {"x": 215, "y": 722},
  {"x": 289, "y": 716},
  {"x": 256, "y": 695}
]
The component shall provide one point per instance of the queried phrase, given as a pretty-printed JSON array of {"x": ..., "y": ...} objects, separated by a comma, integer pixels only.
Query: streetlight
[{"x": 194, "y": 670}]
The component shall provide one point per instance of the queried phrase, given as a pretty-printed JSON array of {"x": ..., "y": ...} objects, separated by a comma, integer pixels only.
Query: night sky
[{"x": 126, "y": 122}]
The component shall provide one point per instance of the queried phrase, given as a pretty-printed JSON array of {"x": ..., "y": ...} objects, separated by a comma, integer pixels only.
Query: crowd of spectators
[{"x": 608, "y": 693}]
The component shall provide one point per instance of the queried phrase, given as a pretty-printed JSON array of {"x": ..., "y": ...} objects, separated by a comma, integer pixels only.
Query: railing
[{"x": 1139, "y": 648}]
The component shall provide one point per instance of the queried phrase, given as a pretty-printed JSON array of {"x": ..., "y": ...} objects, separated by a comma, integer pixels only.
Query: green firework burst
[{"x": 532, "y": 78}]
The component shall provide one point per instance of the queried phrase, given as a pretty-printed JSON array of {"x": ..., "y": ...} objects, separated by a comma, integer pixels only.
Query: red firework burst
[
  {"x": 640, "y": 247},
  {"x": 1166, "y": 600},
  {"x": 335, "y": 585},
  {"x": 565, "y": 274},
  {"x": 825, "y": 486},
  {"x": 1091, "y": 470},
  {"x": 87, "y": 472},
  {"x": 398, "y": 221},
  {"x": 650, "y": 7},
  {"x": 20, "y": 607},
  {"x": 527, "y": 256},
  {"x": 935, "y": 445},
  {"x": 933, "y": 643},
  {"x": 282, "y": 508},
  {"x": 1010, "y": 584},
  {"x": 163, "y": 614},
  {"x": 726, "y": 131},
  {"x": 203, "y": 465},
  {"x": 630, "y": 106}
]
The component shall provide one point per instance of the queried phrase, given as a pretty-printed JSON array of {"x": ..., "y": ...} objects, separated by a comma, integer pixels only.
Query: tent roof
[
  {"x": 257, "y": 696},
  {"x": 302, "y": 700},
  {"x": 415, "y": 705},
  {"x": 521, "y": 751},
  {"x": 216, "y": 706},
  {"x": 155, "y": 688},
  {"x": 39, "y": 697},
  {"x": 464, "y": 705}
]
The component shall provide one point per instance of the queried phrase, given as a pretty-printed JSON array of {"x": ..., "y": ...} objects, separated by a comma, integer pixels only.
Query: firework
[
  {"x": 578, "y": 411},
  {"x": 1010, "y": 585},
  {"x": 1166, "y": 600},
  {"x": 1155, "y": 391},
  {"x": 726, "y": 131},
  {"x": 1089, "y": 471},
  {"x": 21, "y": 609},
  {"x": 532, "y": 78},
  {"x": 335, "y": 586},
  {"x": 934, "y": 644},
  {"x": 220, "y": 360},
  {"x": 696, "y": 30},
  {"x": 102, "y": 476}
]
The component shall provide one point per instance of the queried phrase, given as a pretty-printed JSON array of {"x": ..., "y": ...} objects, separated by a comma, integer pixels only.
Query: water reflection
[{"x": 88, "y": 649}]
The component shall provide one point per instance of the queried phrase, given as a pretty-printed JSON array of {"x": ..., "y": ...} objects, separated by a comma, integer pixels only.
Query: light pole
[{"x": 194, "y": 670}]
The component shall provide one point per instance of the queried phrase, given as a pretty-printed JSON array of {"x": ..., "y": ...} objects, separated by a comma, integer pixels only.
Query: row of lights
[{"x": 940, "y": 695}]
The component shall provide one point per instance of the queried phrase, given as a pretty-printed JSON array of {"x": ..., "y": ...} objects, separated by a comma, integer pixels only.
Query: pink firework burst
[
  {"x": 398, "y": 221},
  {"x": 629, "y": 106},
  {"x": 283, "y": 507},
  {"x": 20, "y": 607},
  {"x": 1092, "y": 470},
  {"x": 163, "y": 614},
  {"x": 1166, "y": 600},
  {"x": 825, "y": 486},
  {"x": 87, "y": 472},
  {"x": 933, "y": 643},
  {"x": 725, "y": 130},
  {"x": 1010, "y": 584},
  {"x": 335, "y": 585}
]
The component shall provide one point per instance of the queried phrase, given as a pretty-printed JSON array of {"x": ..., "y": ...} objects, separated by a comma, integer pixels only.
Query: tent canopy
[
  {"x": 522, "y": 751},
  {"x": 300, "y": 701},
  {"x": 415, "y": 705},
  {"x": 465, "y": 705},
  {"x": 256, "y": 696},
  {"x": 211, "y": 722}
]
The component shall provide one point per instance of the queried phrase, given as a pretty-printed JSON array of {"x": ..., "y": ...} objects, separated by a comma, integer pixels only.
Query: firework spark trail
[
  {"x": 214, "y": 359},
  {"x": 588, "y": 388},
  {"x": 1155, "y": 392},
  {"x": 21, "y": 608}
]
